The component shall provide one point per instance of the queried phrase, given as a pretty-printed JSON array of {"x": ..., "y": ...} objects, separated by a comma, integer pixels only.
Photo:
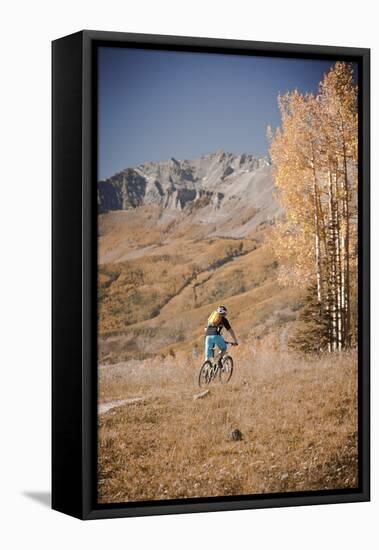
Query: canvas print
[{"x": 227, "y": 189}]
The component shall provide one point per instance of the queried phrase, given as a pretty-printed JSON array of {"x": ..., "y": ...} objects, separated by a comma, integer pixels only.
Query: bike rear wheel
[
  {"x": 226, "y": 370},
  {"x": 205, "y": 374}
]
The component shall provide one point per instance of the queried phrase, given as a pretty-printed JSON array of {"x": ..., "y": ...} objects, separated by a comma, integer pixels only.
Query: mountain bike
[{"x": 223, "y": 368}]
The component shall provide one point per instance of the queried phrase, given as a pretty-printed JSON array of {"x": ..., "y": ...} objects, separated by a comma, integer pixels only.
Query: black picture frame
[{"x": 74, "y": 332}]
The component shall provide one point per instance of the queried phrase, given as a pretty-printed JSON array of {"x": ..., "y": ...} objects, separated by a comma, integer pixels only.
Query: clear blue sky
[{"x": 154, "y": 105}]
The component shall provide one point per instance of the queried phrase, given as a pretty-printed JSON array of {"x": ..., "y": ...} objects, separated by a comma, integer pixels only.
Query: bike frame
[{"x": 220, "y": 354}]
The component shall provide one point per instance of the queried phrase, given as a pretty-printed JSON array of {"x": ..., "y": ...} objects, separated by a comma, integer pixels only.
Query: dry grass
[{"x": 298, "y": 418}]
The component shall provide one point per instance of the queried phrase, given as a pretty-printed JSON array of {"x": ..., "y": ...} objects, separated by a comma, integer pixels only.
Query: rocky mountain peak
[{"x": 217, "y": 182}]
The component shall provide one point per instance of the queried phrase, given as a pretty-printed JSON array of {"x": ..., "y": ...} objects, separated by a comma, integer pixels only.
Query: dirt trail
[{"x": 109, "y": 405}]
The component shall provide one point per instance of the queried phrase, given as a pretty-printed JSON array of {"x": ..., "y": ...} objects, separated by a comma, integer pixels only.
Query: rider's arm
[
  {"x": 231, "y": 332},
  {"x": 227, "y": 326}
]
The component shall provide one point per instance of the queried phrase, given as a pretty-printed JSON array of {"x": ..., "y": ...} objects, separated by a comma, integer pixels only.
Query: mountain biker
[{"x": 216, "y": 322}]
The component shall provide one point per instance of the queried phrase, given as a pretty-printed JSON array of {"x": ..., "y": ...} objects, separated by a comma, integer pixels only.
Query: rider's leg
[
  {"x": 209, "y": 347},
  {"x": 220, "y": 343}
]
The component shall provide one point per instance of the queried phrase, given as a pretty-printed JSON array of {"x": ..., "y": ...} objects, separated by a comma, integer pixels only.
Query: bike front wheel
[
  {"x": 226, "y": 370},
  {"x": 205, "y": 374}
]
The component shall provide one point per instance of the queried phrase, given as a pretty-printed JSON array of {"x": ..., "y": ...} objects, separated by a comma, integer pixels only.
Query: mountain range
[{"x": 213, "y": 189}]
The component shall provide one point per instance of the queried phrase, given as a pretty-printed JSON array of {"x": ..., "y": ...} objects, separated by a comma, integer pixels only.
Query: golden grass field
[{"x": 298, "y": 419}]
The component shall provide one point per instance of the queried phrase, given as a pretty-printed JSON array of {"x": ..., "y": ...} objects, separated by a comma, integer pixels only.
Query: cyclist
[{"x": 216, "y": 322}]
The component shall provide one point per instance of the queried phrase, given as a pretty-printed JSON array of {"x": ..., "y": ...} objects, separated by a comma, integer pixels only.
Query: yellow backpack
[{"x": 214, "y": 319}]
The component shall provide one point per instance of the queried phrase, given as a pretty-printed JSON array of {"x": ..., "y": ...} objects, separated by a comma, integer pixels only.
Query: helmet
[{"x": 222, "y": 310}]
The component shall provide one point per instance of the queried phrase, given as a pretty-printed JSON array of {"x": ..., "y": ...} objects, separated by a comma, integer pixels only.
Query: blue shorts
[{"x": 211, "y": 342}]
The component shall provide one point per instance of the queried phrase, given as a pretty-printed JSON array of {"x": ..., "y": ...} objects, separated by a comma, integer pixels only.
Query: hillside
[{"x": 167, "y": 258}]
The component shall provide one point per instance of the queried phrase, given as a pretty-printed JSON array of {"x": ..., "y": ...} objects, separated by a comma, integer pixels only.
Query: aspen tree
[{"x": 315, "y": 158}]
